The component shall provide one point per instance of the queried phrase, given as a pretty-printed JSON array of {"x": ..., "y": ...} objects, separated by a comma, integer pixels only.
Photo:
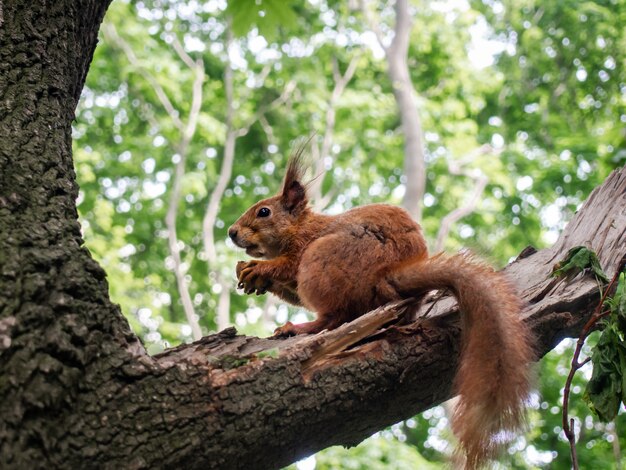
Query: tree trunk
[
  {"x": 404, "y": 93},
  {"x": 77, "y": 388}
]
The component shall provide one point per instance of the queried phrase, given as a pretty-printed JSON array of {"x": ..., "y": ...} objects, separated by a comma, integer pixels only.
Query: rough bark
[{"x": 77, "y": 388}]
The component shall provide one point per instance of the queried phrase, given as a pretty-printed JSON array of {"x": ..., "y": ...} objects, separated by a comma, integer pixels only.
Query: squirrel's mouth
[{"x": 253, "y": 250}]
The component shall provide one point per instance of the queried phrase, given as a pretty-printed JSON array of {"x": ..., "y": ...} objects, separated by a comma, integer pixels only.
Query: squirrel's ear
[{"x": 293, "y": 196}]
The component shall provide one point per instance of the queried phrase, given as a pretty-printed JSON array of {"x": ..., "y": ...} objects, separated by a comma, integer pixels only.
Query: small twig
[
  {"x": 373, "y": 24},
  {"x": 110, "y": 32},
  {"x": 341, "y": 81},
  {"x": 262, "y": 110},
  {"x": 436, "y": 298},
  {"x": 267, "y": 128},
  {"x": 480, "y": 180},
  {"x": 182, "y": 53},
  {"x": 568, "y": 423}
]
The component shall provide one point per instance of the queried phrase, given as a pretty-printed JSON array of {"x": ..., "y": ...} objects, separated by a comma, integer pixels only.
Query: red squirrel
[{"x": 342, "y": 266}]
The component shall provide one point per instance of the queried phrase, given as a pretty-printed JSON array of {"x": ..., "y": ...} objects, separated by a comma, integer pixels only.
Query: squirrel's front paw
[{"x": 251, "y": 279}]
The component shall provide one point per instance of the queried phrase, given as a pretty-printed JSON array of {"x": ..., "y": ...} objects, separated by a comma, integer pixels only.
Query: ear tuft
[{"x": 293, "y": 194}]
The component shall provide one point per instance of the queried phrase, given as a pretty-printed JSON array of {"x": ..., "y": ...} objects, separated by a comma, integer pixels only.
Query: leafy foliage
[{"x": 606, "y": 389}]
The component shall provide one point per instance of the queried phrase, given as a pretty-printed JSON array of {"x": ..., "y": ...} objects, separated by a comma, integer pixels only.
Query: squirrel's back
[{"x": 340, "y": 271}]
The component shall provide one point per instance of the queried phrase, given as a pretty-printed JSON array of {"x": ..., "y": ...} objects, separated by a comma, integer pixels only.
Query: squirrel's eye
[{"x": 263, "y": 212}]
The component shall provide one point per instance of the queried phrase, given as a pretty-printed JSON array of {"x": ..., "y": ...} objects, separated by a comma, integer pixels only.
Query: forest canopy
[{"x": 191, "y": 110}]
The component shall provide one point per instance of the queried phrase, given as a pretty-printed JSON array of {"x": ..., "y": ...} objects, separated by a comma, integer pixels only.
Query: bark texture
[{"x": 77, "y": 388}]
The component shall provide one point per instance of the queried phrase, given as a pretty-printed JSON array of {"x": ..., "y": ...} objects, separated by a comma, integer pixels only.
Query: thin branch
[
  {"x": 232, "y": 133},
  {"x": 187, "y": 131},
  {"x": 110, "y": 32},
  {"x": 194, "y": 111},
  {"x": 373, "y": 25},
  {"x": 480, "y": 181},
  {"x": 210, "y": 215},
  {"x": 173, "y": 244},
  {"x": 172, "y": 211},
  {"x": 267, "y": 128},
  {"x": 598, "y": 314},
  {"x": 262, "y": 110},
  {"x": 341, "y": 81},
  {"x": 182, "y": 53}
]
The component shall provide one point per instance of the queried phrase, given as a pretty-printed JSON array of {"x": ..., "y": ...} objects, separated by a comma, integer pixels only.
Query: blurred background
[{"x": 491, "y": 121}]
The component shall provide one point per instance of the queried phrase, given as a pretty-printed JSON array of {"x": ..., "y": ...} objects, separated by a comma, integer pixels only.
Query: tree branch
[
  {"x": 77, "y": 385},
  {"x": 373, "y": 24},
  {"x": 187, "y": 132},
  {"x": 174, "y": 249},
  {"x": 267, "y": 128},
  {"x": 182, "y": 53},
  {"x": 341, "y": 81},
  {"x": 210, "y": 215},
  {"x": 598, "y": 314}
]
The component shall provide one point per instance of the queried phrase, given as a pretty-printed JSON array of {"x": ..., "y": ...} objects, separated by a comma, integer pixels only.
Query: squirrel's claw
[
  {"x": 250, "y": 280},
  {"x": 288, "y": 329}
]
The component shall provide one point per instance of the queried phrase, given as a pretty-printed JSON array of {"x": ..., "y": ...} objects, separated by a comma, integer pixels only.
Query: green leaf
[
  {"x": 604, "y": 391},
  {"x": 617, "y": 305},
  {"x": 579, "y": 259}
]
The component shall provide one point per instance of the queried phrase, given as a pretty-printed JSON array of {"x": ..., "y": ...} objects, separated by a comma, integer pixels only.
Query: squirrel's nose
[{"x": 232, "y": 233}]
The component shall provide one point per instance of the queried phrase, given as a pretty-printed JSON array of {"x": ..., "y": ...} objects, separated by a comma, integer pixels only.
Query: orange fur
[{"x": 345, "y": 265}]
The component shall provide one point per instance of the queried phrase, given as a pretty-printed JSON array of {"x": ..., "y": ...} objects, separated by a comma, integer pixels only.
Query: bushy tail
[{"x": 493, "y": 376}]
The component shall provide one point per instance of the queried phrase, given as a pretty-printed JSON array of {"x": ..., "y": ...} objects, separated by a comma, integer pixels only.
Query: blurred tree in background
[{"x": 191, "y": 110}]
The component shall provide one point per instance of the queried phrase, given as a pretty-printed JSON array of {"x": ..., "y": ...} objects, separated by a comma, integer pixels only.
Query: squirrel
[{"x": 342, "y": 266}]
